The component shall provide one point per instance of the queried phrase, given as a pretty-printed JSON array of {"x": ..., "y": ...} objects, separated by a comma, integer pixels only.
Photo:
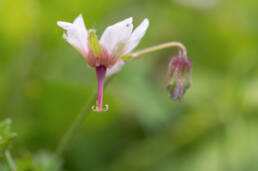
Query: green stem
[
  {"x": 85, "y": 111},
  {"x": 10, "y": 161},
  {"x": 160, "y": 47},
  {"x": 78, "y": 121}
]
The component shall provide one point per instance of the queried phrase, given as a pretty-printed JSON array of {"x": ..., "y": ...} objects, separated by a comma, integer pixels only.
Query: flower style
[
  {"x": 180, "y": 76},
  {"x": 105, "y": 54}
]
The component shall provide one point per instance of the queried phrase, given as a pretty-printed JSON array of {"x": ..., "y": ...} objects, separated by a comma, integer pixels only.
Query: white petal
[
  {"x": 116, "y": 34},
  {"x": 136, "y": 36},
  {"x": 116, "y": 68},
  {"x": 79, "y": 21},
  {"x": 77, "y": 34}
]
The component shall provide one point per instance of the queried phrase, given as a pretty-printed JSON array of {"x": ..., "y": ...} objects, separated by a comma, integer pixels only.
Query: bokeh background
[{"x": 44, "y": 83}]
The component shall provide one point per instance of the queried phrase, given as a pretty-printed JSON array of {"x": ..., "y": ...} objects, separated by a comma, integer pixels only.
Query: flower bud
[{"x": 180, "y": 78}]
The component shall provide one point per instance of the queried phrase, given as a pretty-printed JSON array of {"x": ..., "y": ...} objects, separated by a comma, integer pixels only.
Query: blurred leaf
[
  {"x": 6, "y": 136},
  {"x": 4, "y": 167},
  {"x": 42, "y": 161}
]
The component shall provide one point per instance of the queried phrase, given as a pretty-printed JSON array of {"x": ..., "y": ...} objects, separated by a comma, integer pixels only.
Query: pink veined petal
[
  {"x": 115, "y": 68},
  {"x": 77, "y": 34},
  {"x": 136, "y": 36},
  {"x": 116, "y": 34}
]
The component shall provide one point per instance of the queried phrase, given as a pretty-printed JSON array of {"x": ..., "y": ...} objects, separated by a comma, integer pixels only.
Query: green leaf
[
  {"x": 6, "y": 136},
  {"x": 41, "y": 161}
]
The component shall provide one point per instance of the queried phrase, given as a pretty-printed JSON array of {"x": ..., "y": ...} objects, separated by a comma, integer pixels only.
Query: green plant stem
[
  {"x": 10, "y": 161},
  {"x": 160, "y": 47},
  {"x": 86, "y": 110},
  {"x": 78, "y": 121}
]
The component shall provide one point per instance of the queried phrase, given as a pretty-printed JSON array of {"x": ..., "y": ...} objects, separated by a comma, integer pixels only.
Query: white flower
[
  {"x": 104, "y": 54},
  {"x": 116, "y": 41}
]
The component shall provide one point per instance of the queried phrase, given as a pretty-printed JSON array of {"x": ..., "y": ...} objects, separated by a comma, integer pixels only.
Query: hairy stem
[
  {"x": 78, "y": 121},
  {"x": 160, "y": 47},
  {"x": 10, "y": 161}
]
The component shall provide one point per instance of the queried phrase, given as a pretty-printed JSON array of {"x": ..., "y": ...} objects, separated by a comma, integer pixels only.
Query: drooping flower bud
[{"x": 180, "y": 78}]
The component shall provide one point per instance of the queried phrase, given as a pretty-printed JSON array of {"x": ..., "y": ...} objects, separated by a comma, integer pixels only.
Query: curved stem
[
  {"x": 78, "y": 121},
  {"x": 10, "y": 160},
  {"x": 85, "y": 111},
  {"x": 160, "y": 47}
]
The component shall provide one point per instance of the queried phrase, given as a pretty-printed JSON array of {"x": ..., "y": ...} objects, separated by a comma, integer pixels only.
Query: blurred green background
[{"x": 44, "y": 83}]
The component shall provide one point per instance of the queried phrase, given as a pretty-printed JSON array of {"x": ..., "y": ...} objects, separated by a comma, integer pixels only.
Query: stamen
[{"x": 97, "y": 109}]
